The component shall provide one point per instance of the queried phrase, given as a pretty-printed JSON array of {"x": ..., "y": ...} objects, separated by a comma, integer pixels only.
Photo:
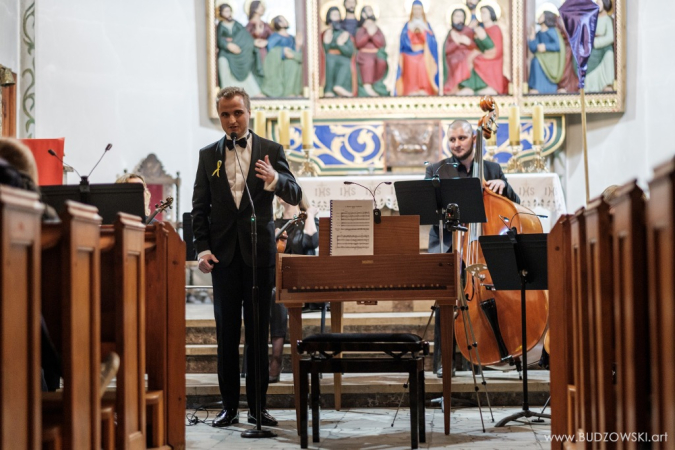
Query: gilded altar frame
[{"x": 432, "y": 106}]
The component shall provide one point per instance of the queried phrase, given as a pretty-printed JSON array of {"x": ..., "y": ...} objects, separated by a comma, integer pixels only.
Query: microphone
[
  {"x": 107, "y": 148},
  {"x": 84, "y": 179},
  {"x": 377, "y": 214},
  {"x": 435, "y": 178},
  {"x": 53, "y": 153}
]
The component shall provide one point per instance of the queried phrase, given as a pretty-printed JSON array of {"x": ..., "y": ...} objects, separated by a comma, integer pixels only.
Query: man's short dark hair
[
  {"x": 493, "y": 14},
  {"x": 231, "y": 92},
  {"x": 607, "y": 5}
]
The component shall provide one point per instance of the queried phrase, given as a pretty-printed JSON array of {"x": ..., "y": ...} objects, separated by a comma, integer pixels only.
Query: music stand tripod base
[
  {"x": 518, "y": 262},
  {"x": 255, "y": 433},
  {"x": 519, "y": 414}
]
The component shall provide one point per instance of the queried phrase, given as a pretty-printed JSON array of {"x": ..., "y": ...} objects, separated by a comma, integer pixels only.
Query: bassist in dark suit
[
  {"x": 221, "y": 220},
  {"x": 462, "y": 140}
]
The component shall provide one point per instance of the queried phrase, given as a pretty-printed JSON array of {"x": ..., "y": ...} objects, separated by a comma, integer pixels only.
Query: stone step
[
  {"x": 201, "y": 328},
  {"x": 383, "y": 390},
  {"x": 203, "y": 358}
]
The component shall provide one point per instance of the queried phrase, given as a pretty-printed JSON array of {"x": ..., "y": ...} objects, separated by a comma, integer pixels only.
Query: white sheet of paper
[{"x": 351, "y": 227}]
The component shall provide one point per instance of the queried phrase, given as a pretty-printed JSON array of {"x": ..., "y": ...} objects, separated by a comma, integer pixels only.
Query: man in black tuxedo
[
  {"x": 462, "y": 140},
  {"x": 221, "y": 221}
]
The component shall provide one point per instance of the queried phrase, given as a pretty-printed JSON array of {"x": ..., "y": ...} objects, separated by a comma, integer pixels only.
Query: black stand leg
[
  {"x": 315, "y": 395},
  {"x": 526, "y": 406},
  {"x": 304, "y": 394},
  {"x": 257, "y": 432}
]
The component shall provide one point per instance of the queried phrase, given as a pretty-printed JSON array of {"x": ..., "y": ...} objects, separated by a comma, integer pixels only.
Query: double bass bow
[{"x": 493, "y": 322}]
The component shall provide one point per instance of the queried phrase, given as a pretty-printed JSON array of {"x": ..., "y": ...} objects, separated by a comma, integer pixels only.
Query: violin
[
  {"x": 488, "y": 317},
  {"x": 282, "y": 237},
  {"x": 160, "y": 207}
]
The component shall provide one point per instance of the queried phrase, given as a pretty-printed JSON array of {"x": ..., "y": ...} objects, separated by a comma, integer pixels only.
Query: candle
[
  {"x": 492, "y": 142},
  {"x": 307, "y": 129},
  {"x": 259, "y": 123},
  {"x": 514, "y": 125},
  {"x": 538, "y": 125},
  {"x": 284, "y": 125}
]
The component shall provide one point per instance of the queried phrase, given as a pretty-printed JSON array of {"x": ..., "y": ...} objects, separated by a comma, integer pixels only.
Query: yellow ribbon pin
[{"x": 217, "y": 171}]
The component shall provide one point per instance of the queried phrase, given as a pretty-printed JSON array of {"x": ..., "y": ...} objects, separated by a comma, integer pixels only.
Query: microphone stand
[
  {"x": 377, "y": 214},
  {"x": 256, "y": 432}
]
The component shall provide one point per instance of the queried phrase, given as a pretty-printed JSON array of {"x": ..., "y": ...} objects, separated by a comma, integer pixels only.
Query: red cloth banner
[{"x": 50, "y": 169}]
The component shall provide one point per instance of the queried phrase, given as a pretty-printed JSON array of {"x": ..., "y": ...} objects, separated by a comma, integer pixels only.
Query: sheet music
[{"x": 351, "y": 227}]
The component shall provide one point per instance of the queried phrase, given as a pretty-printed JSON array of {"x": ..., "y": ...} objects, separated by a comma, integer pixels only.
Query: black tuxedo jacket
[
  {"x": 491, "y": 171},
  {"x": 217, "y": 223}
]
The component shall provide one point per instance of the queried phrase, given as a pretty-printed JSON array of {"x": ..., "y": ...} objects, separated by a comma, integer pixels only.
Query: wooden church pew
[
  {"x": 123, "y": 322},
  {"x": 631, "y": 312},
  {"x": 600, "y": 310},
  {"x": 560, "y": 325},
  {"x": 581, "y": 419},
  {"x": 165, "y": 329},
  {"x": 70, "y": 286},
  {"x": 661, "y": 270},
  {"x": 20, "y": 414}
]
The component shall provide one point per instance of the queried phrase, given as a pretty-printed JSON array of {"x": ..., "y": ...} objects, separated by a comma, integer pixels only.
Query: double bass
[{"x": 490, "y": 320}]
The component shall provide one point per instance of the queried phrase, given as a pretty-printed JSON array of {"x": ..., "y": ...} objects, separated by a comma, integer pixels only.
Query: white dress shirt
[{"x": 235, "y": 179}]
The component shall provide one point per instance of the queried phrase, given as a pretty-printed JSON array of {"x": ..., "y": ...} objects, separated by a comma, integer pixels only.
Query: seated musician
[
  {"x": 135, "y": 178},
  {"x": 300, "y": 239},
  {"x": 462, "y": 140}
]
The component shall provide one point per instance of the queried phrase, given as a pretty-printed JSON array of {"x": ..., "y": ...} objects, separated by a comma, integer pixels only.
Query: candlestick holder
[
  {"x": 538, "y": 163},
  {"x": 491, "y": 152},
  {"x": 515, "y": 165},
  {"x": 308, "y": 169}
]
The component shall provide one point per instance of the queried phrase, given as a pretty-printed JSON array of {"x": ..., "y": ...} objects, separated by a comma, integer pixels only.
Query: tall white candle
[
  {"x": 259, "y": 123},
  {"x": 307, "y": 129},
  {"x": 538, "y": 125},
  {"x": 514, "y": 125},
  {"x": 284, "y": 126}
]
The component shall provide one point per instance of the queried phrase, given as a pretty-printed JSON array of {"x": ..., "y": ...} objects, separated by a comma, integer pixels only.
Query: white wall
[
  {"x": 9, "y": 34},
  {"x": 127, "y": 72},
  {"x": 627, "y": 146}
]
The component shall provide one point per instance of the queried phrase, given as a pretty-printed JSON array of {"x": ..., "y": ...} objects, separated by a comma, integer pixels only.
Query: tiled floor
[{"x": 372, "y": 429}]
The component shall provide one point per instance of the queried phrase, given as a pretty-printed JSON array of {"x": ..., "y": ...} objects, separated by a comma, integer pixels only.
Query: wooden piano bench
[{"x": 407, "y": 353}]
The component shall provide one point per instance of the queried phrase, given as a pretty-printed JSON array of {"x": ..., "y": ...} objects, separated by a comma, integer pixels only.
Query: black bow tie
[{"x": 241, "y": 143}]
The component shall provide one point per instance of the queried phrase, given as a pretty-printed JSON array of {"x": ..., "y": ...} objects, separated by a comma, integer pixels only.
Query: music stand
[
  {"x": 434, "y": 201},
  {"x": 518, "y": 262},
  {"x": 422, "y": 198}
]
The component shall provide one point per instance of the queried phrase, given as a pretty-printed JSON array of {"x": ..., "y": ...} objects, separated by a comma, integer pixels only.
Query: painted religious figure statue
[
  {"x": 418, "y": 56},
  {"x": 260, "y": 32},
  {"x": 371, "y": 58},
  {"x": 487, "y": 74},
  {"x": 235, "y": 53},
  {"x": 601, "y": 75},
  {"x": 339, "y": 65},
  {"x": 284, "y": 61},
  {"x": 548, "y": 49},
  {"x": 458, "y": 50}
]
